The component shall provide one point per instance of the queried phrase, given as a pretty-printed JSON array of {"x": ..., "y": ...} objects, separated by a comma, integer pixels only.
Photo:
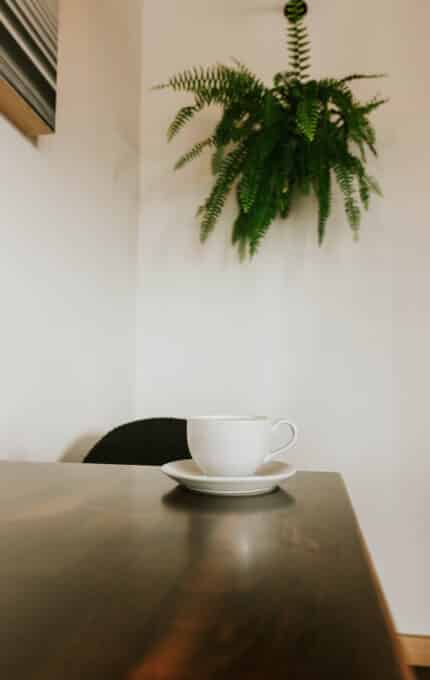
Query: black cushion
[{"x": 154, "y": 441}]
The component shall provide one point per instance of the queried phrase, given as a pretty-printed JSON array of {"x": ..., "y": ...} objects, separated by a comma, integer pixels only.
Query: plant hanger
[
  {"x": 276, "y": 144},
  {"x": 290, "y": 10}
]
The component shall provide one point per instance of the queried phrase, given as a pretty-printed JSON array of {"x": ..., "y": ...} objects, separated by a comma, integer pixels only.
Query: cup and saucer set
[{"x": 232, "y": 456}]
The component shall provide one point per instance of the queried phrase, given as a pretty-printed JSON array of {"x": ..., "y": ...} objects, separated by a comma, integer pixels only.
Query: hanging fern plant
[{"x": 274, "y": 144}]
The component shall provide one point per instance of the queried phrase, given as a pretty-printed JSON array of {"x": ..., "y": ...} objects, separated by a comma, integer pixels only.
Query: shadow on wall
[{"x": 77, "y": 451}]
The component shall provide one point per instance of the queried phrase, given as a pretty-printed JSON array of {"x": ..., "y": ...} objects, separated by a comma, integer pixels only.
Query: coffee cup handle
[{"x": 275, "y": 452}]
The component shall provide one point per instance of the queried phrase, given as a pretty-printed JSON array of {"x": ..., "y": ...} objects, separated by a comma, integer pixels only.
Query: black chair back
[{"x": 154, "y": 441}]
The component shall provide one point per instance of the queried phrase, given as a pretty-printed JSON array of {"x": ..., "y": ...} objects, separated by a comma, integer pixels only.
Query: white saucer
[{"x": 267, "y": 478}]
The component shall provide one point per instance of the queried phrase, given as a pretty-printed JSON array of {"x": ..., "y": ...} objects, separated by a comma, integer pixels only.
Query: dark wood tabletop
[{"x": 113, "y": 573}]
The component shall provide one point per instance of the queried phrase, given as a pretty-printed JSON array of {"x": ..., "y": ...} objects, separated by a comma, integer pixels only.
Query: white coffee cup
[{"x": 234, "y": 446}]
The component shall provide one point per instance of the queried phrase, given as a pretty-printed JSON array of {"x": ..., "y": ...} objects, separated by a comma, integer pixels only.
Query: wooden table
[{"x": 114, "y": 573}]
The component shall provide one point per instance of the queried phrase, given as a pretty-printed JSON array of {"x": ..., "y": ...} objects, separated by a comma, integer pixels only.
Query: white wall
[
  {"x": 336, "y": 338},
  {"x": 68, "y": 222}
]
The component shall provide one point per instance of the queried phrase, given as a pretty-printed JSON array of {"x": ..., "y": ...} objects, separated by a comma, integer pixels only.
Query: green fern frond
[
  {"x": 374, "y": 104},
  {"x": 357, "y": 138},
  {"x": 343, "y": 99},
  {"x": 374, "y": 185},
  {"x": 357, "y": 168},
  {"x": 252, "y": 77},
  {"x": 364, "y": 190},
  {"x": 241, "y": 83},
  {"x": 248, "y": 186},
  {"x": 217, "y": 159},
  {"x": 194, "y": 152},
  {"x": 217, "y": 84},
  {"x": 308, "y": 113},
  {"x": 228, "y": 172},
  {"x": 326, "y": 85},
  {"x": 224, "y": 129},
  {"x": 345, "y": 181},
  {"x": 184, "y": 115},
  {"x": 234, "y": 125},
  {"x": 298, "y": 41},
  {"x": 262, "y": 213},
  {"x": 286, "y": 199},
  {"x": 282, "y": 80},
  {"x": 250, "y": 227},
  {"x": 239, "y": 228},
  {"x": 192, "y": 80},
  {"x": 361, "y": 76},
  {"x": 368, "y": 135},
  {"x": 323, "y": 194},
  {"x": 239, "y": 234},
  {"x": 302, "y": 171}
]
